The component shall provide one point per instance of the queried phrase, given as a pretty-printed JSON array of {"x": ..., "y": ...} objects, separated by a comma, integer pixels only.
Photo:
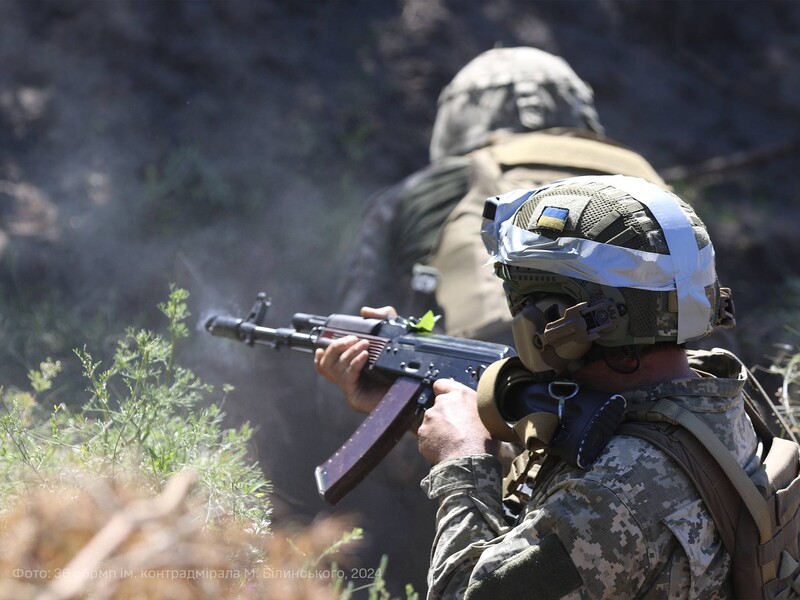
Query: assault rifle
[{"x": 401, "y": 351}]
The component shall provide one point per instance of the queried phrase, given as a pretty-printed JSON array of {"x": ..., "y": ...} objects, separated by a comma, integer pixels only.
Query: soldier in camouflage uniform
[
  {"x": 606, "y": 279},
  {"x": 512, "y": 117}
]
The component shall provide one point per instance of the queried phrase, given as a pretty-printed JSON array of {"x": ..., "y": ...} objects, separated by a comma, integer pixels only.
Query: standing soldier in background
[{"x": 511, "y": 118}]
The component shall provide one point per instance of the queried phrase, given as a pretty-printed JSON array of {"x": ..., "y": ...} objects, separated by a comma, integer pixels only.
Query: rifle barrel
[{"x": 238, "y": 329}]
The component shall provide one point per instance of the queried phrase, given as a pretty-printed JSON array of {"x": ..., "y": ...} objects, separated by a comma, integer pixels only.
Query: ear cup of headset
[{"x": 529, "y": 326}]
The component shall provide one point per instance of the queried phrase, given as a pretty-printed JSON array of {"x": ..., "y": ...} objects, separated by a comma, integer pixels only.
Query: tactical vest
[
  {"x": 469, "y": 294},
  {"x": 757, "y": 516}
]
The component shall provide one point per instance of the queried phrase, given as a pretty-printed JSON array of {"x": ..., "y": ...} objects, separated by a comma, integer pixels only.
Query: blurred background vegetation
[{"x": 230, "y": 146}]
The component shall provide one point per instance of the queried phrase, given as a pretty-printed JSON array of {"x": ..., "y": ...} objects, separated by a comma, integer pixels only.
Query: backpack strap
[
  {"x": 753, "y": 499},
  {"x": 573, "y": 152},
  {"x": 742, "y": 513},
  {"x": 714, "y": 487},
  {"x": 755, "y": 566}
]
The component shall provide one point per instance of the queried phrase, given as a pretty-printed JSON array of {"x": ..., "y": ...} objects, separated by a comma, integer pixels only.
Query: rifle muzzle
[{"x": 224, "y": 326}]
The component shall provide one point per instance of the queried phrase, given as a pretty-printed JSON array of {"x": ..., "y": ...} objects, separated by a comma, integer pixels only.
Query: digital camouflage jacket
[{"x": 632, "y": 526}]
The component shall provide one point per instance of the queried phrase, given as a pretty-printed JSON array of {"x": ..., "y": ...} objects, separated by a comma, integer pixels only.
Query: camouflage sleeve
[
  {"x": 470, "y": 513},
  {"x": 582, "y": 541}
]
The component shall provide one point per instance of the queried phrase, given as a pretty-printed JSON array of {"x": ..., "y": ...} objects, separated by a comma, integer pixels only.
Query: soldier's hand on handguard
[
  {"x": 452, "y": 427},
  {"x": 343, "y": 361}
]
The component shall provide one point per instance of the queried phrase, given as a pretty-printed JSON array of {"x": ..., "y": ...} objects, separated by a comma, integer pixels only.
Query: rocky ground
[{"x": 229, "y": 146}]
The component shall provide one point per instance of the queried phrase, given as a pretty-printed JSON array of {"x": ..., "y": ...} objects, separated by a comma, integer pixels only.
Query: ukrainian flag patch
[{"x": 553, "y": 218}]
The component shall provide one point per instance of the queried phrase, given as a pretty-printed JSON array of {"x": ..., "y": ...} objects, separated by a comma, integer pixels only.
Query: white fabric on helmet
[{"x": 687, "y": 269}]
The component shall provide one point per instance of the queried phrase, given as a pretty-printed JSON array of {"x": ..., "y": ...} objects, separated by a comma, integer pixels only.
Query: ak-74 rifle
[{"x": 401, "y": 351}]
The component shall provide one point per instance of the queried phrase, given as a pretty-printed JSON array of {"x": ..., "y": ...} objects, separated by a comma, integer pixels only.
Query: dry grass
[{"x": 102, "y": 540}]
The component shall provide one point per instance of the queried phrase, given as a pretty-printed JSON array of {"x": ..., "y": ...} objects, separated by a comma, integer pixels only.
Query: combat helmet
[
  {"x": 608, "y": 261},
  {"x": 509, "y": 90}
]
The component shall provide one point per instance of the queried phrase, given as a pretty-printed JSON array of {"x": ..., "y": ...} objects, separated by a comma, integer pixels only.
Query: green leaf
[{"x": 426, "y": 323}]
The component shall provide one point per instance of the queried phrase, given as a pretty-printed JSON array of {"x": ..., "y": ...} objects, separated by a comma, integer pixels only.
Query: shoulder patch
[{"x": 544, "y": 571}]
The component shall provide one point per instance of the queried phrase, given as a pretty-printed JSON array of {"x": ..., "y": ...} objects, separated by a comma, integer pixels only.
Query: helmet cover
[
  {"x": 509, "y": 90},
  {"x": 618, "y": 242}
]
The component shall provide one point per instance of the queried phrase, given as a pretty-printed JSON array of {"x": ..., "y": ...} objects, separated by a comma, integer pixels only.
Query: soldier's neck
[{"x": 658, "y": 365}]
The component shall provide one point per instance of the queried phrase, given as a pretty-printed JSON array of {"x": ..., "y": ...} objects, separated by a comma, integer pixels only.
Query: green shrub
[{"x": 145, "y": 415}]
